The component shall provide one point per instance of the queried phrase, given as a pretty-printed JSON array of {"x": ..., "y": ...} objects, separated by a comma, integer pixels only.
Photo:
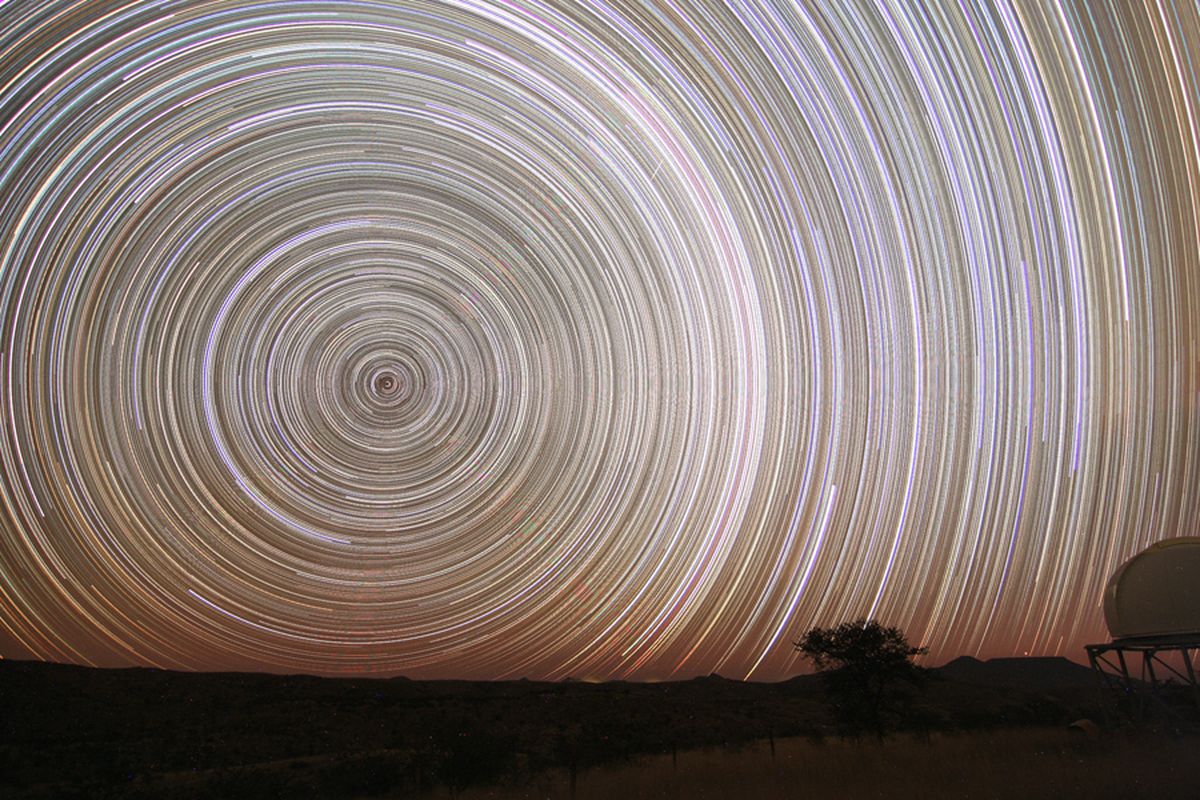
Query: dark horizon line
[{"x": 381, "y": 676}]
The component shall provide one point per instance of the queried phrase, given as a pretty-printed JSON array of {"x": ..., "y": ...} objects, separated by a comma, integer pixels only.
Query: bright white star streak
[{"x": 600, "y": 339}]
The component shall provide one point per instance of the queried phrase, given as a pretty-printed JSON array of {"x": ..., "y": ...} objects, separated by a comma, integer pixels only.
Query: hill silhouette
[{"x": 1034, "y": 673}]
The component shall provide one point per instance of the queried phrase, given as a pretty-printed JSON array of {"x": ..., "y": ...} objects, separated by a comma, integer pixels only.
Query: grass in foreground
[{"x": 1036, "y": 763}]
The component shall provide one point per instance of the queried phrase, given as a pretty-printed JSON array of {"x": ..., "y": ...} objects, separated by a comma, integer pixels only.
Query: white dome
[{"x": 1157, "y": 592}]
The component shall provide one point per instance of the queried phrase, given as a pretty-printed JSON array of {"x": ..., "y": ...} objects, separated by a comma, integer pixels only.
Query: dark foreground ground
[
  {"x": 77, "y": 732},
  {"x": 1024, "y": 763}
]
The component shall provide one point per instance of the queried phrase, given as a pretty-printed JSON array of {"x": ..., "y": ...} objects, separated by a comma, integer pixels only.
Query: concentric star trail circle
[{"x": 618, "y": 340}]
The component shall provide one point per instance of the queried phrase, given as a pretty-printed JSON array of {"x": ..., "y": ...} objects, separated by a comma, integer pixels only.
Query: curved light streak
[{"x": 597, "y": 339}]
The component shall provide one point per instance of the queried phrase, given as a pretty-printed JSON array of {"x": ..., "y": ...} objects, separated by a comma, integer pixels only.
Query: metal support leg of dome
[{"x": 1112, "y": 662}]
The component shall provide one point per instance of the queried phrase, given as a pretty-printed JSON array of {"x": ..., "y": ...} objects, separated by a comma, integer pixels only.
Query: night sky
[{"x": 605, "y": 340}]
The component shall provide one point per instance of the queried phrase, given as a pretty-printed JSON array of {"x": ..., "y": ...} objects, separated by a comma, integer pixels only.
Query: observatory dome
[{"x": 1157, "y": 592}]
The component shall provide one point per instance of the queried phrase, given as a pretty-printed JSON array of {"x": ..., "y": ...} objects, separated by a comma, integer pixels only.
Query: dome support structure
[{"x": 1129, "y": 664}]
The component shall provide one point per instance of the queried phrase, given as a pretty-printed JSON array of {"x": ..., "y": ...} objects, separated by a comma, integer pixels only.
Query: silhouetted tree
[{"x": 865, "y": 666}]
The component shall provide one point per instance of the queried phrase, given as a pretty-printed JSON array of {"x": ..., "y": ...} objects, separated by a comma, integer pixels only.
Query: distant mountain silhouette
[{"x": 1047, "y": 673}]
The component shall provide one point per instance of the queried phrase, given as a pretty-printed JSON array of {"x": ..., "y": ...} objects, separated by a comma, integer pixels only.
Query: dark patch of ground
[{"x": 75, "y": 731}]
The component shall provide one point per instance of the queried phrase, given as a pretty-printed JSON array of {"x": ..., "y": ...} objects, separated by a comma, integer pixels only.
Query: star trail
[{"x": 604, "y": 339}]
